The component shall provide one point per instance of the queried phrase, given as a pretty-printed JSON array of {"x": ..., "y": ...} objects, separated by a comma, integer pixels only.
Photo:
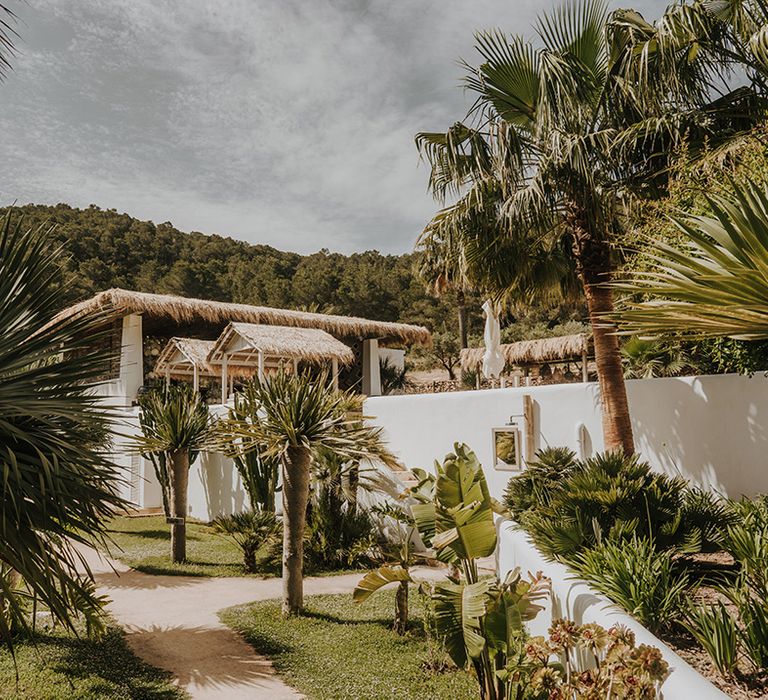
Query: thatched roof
[
  {"x": 531, "y": 352},
  {"x": 164, "y": 311},
  {"x": 180, "y": 355},
  {"x": 242, "y": 341}
]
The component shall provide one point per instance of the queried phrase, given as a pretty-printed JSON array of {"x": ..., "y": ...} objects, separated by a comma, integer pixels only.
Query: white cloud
[{"x": 285, "y": 122}]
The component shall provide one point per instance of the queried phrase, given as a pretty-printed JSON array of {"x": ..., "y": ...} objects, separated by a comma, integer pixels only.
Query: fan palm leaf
[
  {"x": 59, "y": 488},
  {"x": 718, "y": 284}
]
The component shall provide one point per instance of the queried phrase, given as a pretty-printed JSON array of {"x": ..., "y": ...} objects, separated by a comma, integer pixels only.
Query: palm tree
[
  {"x": 718, "y": 284},
  {"x": 8, "y": 37},
  {"x": 59, "y": 487},
  {"x": 561, "y": 135},
  {"x": 177, "y": 423},
  {"x": 299, "y": 415}
]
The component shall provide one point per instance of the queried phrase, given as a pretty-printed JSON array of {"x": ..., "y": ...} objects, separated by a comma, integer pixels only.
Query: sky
[{"x": 285, "y": 122}]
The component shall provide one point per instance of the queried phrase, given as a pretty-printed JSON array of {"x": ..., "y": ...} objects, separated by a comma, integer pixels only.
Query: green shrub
[
  {"x": 257, "y": 533},
  {"x": 540, "y": 479},
  {"x": 704, "y": 521},
  {"x": 610, "y": 496},
  {"x": 634, "y": 575},
  {"x": 338, "y": 538},
  {"x": 718, "y": 634}
]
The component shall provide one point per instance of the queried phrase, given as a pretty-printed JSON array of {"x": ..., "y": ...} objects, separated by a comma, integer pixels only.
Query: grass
[
  {"x": 59, "y": 665},
  {"x": 340, "y": 650},
  {"x": 145, "y": 544}
]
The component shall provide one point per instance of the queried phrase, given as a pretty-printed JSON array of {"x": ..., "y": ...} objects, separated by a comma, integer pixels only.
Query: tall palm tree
[
  {"x": 562, "y": 133},
  {"x": 176, "y": 422},
  {"x": 299, "y": 415},
  {"x": 58, "y": 486},
  {"x": 717, "y": 285}
]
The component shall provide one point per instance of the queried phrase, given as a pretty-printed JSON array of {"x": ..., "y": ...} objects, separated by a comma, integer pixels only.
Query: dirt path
[{"x": 172, "y": 623}]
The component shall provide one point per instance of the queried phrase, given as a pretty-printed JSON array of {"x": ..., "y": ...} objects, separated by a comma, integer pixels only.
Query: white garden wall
[
  {"x": 574, "y": 599},
  {"x": 713, "y": 429}
]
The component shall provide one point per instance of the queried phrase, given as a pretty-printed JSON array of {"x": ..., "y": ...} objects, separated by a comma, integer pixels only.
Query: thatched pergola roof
[
  {"x": 531, "y": 352},
  {"x": 165, "y": 315},
  {"x": 181, "y": 355},
  {"x": 243, "y": 341}
]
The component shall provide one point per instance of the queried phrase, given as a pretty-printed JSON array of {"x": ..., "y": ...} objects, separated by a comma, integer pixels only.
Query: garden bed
[
  {"x": 346, "y": 651},
  {"x": 56, "y": 664}
]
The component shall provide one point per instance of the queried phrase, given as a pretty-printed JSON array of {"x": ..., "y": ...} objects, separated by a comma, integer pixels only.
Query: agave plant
[
  {"x": 297, "y": 415},
  {"x": 176, "y": 423},
  {"x": 59, "y": 487}
]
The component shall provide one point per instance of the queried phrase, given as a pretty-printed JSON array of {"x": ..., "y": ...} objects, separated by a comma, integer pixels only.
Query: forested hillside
[{"x": 107, "y": 249}]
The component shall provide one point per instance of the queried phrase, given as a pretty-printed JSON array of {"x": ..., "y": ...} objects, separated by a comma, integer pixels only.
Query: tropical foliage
[
  {"x": 176, "y": 424},
  {"x": 255, "y": 532},
  {"x": 552, "y": 151},
  {"x": 295, "y": 416},
  {"x": 716, "y": 284},
  {"x": 59, "y": 488}
]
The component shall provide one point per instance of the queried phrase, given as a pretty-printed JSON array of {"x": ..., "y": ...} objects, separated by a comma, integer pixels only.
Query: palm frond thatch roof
[
  {"x": 529, "y": 352},
  {"x": 168, "y": 310},
  {"x": 245, "y": 340}
]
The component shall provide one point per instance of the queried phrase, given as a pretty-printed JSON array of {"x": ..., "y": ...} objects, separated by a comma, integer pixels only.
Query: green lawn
[
  {"x": 58, "y": 665},
  {"x": 344, "y": 651},
  {"x": 145, "y": 544}
]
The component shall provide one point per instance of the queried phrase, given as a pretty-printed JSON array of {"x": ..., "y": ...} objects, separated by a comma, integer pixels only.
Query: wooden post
[
  {"x": 295, "y": 366},
  {"x": 224, "y": 378},
  {"x": 336, "y": 374},
  {"x": 530, "y": 428},
  {"x": 195, "y": 379},
  {"x": 584, "y": 369},
  {"x": 261, "y": 366},
  {"x": 167, "y": 377}
]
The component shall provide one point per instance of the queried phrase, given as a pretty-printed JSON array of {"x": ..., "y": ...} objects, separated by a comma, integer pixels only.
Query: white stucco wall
[{"x": 713, "y": 429}]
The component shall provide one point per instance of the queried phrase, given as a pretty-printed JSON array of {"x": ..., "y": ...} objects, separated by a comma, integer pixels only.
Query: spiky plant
[
  {"x": 253, "y": 531},
  {"x": 297, "y": 415},
  {"x": 718, "y": 284},
  {"x": 176, "y": 422},
  {"x": 58, "y": 486}
]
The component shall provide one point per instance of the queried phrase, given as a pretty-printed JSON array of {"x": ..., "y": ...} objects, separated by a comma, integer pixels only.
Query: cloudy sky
[{"x": 288, "y": 122}]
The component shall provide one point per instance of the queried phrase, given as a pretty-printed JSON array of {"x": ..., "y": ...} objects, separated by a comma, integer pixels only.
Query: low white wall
[
  {"x": 574, "y": 599},
  {"x": 711, "y": 430}
]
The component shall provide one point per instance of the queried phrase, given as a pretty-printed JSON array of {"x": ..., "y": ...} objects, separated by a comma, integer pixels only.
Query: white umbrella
[{"x": 493, "y": 361}]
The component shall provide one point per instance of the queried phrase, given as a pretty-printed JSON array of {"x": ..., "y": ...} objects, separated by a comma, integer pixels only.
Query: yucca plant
[
  {"x": 298, "y": 414},
  {"x": 637, "y": 577},
  {"x": 59, "y": 489},
  {"x": 717, "y": 632},
  {"x": 258, "y": 472},
  {"x": 176, "y": 422}
]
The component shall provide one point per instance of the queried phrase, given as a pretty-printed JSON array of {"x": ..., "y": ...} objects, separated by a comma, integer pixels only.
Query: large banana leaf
[
  {"x": 459, "y": 609},
  {"x": 373, "y": 580},
  {"x": 463, "y": 507}
]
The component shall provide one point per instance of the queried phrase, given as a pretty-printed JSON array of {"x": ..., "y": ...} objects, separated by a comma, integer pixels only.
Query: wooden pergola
[{"x": 275, "y": 348}]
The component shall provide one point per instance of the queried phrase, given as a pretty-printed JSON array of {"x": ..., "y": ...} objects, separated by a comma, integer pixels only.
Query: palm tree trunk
[
  {"x": 462, "y": 306},
  {"x": 593, "y": 263},
  {"x": 295, "y": 497},
  {"x": 179, "y": 482}
]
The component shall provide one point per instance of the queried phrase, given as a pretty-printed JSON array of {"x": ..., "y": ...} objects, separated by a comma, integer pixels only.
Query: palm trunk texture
[
  {"x": 462, "y": 307},
  {"x": 179, "y": 482},
  {"x": 295, "y": 497},
  {"x": 593, "y": 261}
]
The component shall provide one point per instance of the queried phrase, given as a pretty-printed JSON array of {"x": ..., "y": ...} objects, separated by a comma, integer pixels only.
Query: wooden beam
[
  {"x": 224, "y": 378},
  {"x": 530, "y": 427}
]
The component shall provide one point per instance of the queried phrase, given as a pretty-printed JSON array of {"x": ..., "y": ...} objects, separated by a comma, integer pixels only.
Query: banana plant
[{"x": 480, "y": 620}]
